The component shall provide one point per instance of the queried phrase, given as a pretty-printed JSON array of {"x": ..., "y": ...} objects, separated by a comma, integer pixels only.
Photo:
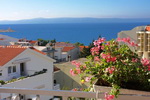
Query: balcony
[
  {"x": 38, "y": 80},
  {"x": 18, "y": 92}
]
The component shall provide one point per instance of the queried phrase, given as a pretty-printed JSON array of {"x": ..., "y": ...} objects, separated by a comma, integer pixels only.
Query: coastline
[{"x": 8, "y": 30}]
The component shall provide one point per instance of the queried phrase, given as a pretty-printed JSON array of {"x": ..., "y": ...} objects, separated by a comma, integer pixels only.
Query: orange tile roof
[
  {"x": 2, "y": 39},
  {"x": 81, "y": 47},
  {"x": 37, "y": 50},
  {"x": 32, "y": 42},
  {"x": 147, "y": 28},
  {"x": 66, "y": 49},
  {"x": 7, "y": 53},
  {"x": 63, "y": 44}
]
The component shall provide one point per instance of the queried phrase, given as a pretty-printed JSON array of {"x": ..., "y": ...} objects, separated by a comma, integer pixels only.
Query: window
[
  {"x": 0, "y": 73},
  {"x": 9, "y": 70},
  {"x": 14, "y": 69}
]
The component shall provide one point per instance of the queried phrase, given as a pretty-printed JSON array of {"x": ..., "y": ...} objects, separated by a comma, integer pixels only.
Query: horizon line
[{"x": 70, "y": 18}]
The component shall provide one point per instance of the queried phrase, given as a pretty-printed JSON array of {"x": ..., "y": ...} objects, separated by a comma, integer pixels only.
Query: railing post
[
  {"x": 98, "y": 95},
  {"x": 64, "y": 97}
]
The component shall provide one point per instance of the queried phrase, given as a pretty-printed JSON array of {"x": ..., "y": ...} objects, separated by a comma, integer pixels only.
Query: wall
[
  {"x": 64, "y": 78},
  {"x": 41, "y": 81},
  {"x": 58, "y": 53}
]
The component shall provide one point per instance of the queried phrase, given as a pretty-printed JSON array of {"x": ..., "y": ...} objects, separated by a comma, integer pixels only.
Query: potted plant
[{"x": 114, "y": 66}]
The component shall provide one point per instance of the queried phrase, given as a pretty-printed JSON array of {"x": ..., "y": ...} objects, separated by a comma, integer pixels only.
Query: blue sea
[{"x": 69, "y": 32}]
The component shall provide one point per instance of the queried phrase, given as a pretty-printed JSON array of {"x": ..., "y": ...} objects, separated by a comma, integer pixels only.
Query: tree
[
  {"x": 78, "y": 44},
  {"x": 42, "y": 42}
]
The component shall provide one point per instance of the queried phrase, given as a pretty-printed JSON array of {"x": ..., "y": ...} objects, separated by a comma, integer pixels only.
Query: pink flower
[
  {"x": 96, "y": 58},
  {"x": 87, "y": 79},
  {"x": 75, "y": 89},
  {"x": 145, "y": 61},
  {"x": 73, "y": 62},
  {"x": 134, "y": 59},
  {"x": 110, "y": 69},
  {"x": 127, "y": 40},
  {"x": 78, "y": 70},
  {"x": 108, "y": 97},
  {"x": 84, "y": 66},
  {"x": 72, "y": 72},
  {"x": 119, "y": 39},
  {"x": 95, "y": 43},
  {"x": 95, "y": 50},
  {"x": 101, "y": 40},
  {"x": 108, "y": 57},
  {"x": 113, "y": 59},
  {"x": 132, "y": 43},
  {"x": 148, "y": 68},
  {"x": 77, "y": 64}
]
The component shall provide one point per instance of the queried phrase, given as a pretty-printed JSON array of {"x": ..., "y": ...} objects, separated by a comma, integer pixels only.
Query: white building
[
  {"x": 70, "y": 53},
  {"x": 25, "y": 68}
]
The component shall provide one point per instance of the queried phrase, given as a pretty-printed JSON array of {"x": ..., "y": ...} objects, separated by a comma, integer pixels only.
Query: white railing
[{"x": 65, "y": 94}]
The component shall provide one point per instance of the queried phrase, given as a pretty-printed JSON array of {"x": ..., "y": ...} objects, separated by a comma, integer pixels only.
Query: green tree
[
  {"x": 42, "y": 42},
  {"x": 78, "y": 44}
]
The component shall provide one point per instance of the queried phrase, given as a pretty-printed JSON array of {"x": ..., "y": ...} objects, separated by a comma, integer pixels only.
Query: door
[{"x": 22, "y": 69}]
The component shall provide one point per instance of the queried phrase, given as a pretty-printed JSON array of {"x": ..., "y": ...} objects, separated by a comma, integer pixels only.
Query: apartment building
[
  {"x": 143, "y": 41},
  {"x": 141, "y": 35}
]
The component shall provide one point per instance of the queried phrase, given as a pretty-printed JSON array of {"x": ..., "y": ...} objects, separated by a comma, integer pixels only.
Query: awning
[{"x": 21, "y": 60}]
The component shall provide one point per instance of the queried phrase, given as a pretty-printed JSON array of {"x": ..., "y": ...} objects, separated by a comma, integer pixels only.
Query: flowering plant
[{"x": 114, "y": 65}]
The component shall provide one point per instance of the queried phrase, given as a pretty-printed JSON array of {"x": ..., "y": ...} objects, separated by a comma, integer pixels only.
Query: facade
[
  {"x": 143, "y": 40},
  {"x": 22, "y": 67},
  {"x": 70, "y": 53},
  {"x": 141, "y": 35},
  {"x": 64, "y": 51}
]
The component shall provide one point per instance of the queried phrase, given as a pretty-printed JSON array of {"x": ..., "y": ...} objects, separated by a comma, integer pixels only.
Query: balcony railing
[{"x": 65, "y": 94}]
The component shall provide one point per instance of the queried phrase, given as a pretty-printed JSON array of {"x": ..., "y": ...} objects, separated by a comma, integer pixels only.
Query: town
[{"x": 32, "y": 64}]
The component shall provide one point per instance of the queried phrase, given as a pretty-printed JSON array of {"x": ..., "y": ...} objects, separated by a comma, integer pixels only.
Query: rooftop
[
  {"x": 66, "y": 49},
  {"x": 9, "y": 52}
]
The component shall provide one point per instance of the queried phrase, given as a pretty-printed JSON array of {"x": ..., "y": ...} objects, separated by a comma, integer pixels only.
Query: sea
[{"x": 69, "y": 32}]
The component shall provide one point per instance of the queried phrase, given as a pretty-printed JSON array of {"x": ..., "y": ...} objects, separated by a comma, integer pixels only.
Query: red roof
[
  {"x": 32, "y": 42},
  {"x": 37, "y": 50},
  {"x": 2, "y": 39},
  {"x": 81, "y": 47},
  {"x": 66, "y": 49},
  {"x": 7, "y": 53},
  {"x": 63, "y": 44},
  {"x": 147, "y": 28}
]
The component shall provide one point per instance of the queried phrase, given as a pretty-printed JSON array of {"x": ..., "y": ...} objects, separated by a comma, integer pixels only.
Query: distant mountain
[{"x": 76, "y": 20}]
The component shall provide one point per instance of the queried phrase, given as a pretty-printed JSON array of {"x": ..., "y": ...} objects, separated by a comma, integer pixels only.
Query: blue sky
[{"x": 27, "y": 9}]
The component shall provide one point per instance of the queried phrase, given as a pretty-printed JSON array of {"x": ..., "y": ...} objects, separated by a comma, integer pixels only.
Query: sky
[{"x": 28, "y": 9}]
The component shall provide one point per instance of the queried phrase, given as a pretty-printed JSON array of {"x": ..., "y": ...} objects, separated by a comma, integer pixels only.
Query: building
[
  {"x": 6, "y": 40},
  {"x": 143, "y": 40},
  {"x": 22, "y": 67},
  {"x": 70, "y": 53},
  {"x": 141, "y": 35},
  {"x": 63, "y": 51}
]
